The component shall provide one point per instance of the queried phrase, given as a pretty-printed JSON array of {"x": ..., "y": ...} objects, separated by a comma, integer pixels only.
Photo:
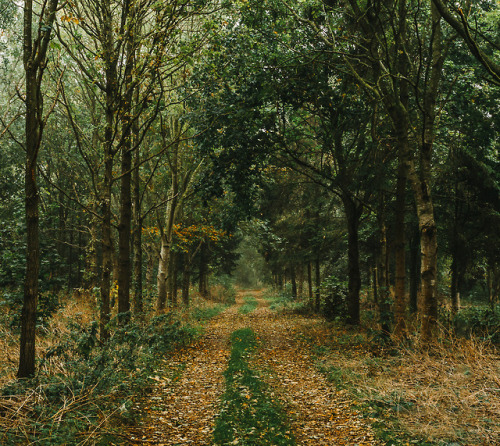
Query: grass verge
[
  {"x": 249, "y": 305},
  {"x": 249, "y": 416},
  {"x": 446, "y": 395},
  {"x": 204, "y": 314}
]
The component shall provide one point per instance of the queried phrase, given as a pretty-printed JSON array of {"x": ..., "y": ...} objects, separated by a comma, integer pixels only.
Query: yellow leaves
[{"x": 70, "y": 19}]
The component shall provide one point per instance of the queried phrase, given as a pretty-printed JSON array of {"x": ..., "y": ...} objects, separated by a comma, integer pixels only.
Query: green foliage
[
  {"x": 206, "y": 313},
  {"x": 249, "y": 416},
  {"x": 483, "y": 322},
  {"x": 222, "y": 289},
  {"x": 94, "y": 380},
  {"x": 334, "y": 299},
  {"x": 249, "y": 305},
  {"x": 12, "y": 301}
]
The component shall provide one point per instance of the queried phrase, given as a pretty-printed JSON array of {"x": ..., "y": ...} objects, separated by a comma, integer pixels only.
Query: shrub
[
  {"x": 334, "y": 299},
  {"x": 222, "y": 289},
  {"x": 479, "y": 321}
]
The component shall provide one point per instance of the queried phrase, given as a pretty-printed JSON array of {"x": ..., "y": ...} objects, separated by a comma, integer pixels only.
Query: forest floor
[
  {"x": 266, "y": 371},
  {"x": 186, "y": 402}
]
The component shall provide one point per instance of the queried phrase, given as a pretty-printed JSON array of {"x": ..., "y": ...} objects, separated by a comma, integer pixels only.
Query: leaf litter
[{"x": 185, "y": 402}]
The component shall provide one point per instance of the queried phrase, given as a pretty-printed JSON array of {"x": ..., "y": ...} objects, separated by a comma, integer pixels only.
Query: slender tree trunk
[
  {"x": 28, "y": 314},
  {"x": 300, "y": 280},
  {"x": 294, "y": 281},
  {"x": 107, "y": 243},
  {"x": 421, "y": 183},
  {"x": 318, "y": 284},
  {"x": 310, "y": 282},
  {"x": 167, "y": 233},
  {"x": 138, "y": 300},
  {"x": 70, "y": 258},
  {"x": 152, "y": 257},
  {"x": 454, "y": 294},
  {"x": 383, "y": 276},
  {"x": 175, "y": 284},
  {"x": 186, "y": 279},
  {"x": 203, "y": 270},
  {"x": 353, "y": 213},
  {"x": 414, "y": 269},
  {"x": 399, "y": 232},
  {"x": 34, "y": 60},
  {"x": 124, "y": 230},
  {"x": 126, "y": 118}
]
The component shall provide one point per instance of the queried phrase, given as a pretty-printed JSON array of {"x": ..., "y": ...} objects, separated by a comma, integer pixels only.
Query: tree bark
[
  {"x": 34, "y": 60},
  {"x": 186, "y": 279},
  {"x": 318, "y": 284},
  {"x": 293, "y": 280},
  {"x": 414, "y": 269},
  {"x": 310, "y": 282},
  {"x": 383, "y": 272},
  {"x": 353, "y": 214},
  {"x": 107, "y": 243},
  {"x": 399, "y": 233},
  {"x": 421, "y": 183},
  {"x": 203, "y": 271}
]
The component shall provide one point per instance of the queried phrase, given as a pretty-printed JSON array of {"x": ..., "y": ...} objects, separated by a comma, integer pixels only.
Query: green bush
[
  {"x": 48, "y": 304},
  {"x": 334, "y": 299},
  {"x": 479, "y": 321},
  {"x": 222, "y": 289}
]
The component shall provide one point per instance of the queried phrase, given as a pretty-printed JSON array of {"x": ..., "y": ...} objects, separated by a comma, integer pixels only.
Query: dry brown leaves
[{"x": 183, "y": 412}]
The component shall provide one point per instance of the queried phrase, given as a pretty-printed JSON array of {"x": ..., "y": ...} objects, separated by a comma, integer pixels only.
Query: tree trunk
[
  {"x": 382, "y": 270},
  {"x": 124, "y": 230},
  {"x": 294, "y": 281},
  {"x": 167, "y": 233},
  {"x": 107, "y": 244},
  {"x": 399, "y": 234},
  {"x": 300, "y": 280},
  {"x": 152, "y": 257},
  {"x": 318, "y": 284},
  {"x": 421, "y": 183},
  {"x": 414, "y": 269},
  {"x": 203, "y": 270},
  {"x": 186, "y": 279},
  {"x": 310, "y": 282},
  {"x": 455, "y": 249},
  {"x": 353, "y": 214},
  {"x": 34, "y": 60},
  {"x": 138, "y": 301}
]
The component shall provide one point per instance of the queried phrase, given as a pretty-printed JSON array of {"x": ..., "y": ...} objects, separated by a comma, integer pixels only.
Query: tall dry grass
[{"x": 449, "y": 392}]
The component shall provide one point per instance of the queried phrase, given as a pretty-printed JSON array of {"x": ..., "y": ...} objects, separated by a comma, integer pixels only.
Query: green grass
[
  {"x": 207, "y": 313},
  {"x": 249, "y": 416},
  {"x": 249, "y": 305}
]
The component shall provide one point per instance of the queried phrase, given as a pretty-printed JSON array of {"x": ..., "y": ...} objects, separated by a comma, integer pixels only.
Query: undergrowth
[
  {"x": 249, "y": 416},
  {"x": 444, "y": 395},
  {"x": 85, "y": 389},
  {"x": 250, "y": 304}
]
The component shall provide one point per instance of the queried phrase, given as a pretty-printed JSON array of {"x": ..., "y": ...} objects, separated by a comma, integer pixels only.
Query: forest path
[{"x": 184, "y": 406}]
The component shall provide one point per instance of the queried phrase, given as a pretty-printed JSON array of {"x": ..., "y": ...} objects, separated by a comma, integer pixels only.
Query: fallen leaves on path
[{"x": 184, "y": 405}]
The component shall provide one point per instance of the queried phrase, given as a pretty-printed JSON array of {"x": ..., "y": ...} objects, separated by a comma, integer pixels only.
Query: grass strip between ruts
[
  {"x": 249, "y": 305},
  {"x": 248, "y": 416}
]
